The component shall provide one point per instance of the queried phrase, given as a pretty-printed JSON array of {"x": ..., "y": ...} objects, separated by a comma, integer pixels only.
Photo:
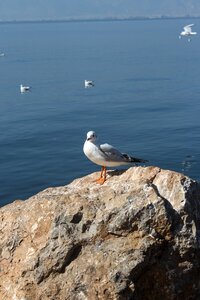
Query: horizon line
[{"x": 71, "y": 19}]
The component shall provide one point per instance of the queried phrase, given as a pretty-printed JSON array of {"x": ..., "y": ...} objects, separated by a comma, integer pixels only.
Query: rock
[{"x": 135, "y": 237}]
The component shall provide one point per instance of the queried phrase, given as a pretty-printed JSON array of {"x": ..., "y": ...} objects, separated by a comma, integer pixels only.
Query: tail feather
[{"x": 134, "y": 159}]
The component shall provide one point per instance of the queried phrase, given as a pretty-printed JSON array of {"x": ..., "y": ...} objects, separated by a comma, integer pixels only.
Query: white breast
[{"x": 93, "y": 153}]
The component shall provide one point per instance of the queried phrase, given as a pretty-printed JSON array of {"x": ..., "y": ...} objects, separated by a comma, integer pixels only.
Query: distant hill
[{"x": 64, "y": 9}]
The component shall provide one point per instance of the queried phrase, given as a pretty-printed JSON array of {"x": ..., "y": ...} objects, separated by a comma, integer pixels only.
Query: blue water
[{"x": 146, "y": 99}]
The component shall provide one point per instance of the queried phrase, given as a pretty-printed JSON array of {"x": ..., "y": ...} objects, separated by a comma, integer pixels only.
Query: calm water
[{"x": 145, "y": 100}]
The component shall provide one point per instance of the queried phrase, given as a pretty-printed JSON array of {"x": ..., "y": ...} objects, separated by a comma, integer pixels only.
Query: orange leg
[{"x": 102, "y": 178}]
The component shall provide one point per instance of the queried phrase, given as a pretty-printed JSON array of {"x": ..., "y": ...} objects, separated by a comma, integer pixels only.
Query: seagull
[
  {"x": 89, "y": 83},
  {"x": 24, "y": 89},
  {"x": 187, "y": 32},
  {"x": 106, "y": 155}
]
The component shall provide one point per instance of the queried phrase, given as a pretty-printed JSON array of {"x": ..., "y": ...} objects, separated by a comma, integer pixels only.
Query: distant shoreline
[{"x": 99, "y": 19}]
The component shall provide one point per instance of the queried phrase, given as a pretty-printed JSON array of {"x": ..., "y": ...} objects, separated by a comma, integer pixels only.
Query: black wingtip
[
  {"x": 139, "y": 160},
  {"x": 134, "y": 159}
]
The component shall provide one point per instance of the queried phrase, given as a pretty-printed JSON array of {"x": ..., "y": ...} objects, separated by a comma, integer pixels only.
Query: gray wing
[{"x": 111, "y": 153}]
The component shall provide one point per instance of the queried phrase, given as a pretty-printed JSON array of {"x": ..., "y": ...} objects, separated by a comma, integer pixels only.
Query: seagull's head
[{"x": 91, "y": 136}]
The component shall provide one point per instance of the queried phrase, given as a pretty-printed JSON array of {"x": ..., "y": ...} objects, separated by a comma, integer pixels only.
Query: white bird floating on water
[
  {"x": 106, "y": 155},
  {"x": 187, "y": 32},
  {"x": 2, "y": 54},
  {"x": 89, "y": 83},
  {"x": 24, "y": 89}
]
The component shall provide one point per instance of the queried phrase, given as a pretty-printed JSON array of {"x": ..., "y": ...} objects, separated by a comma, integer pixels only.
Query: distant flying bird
[
  {"x": 89, "y": 83},
  {"x": 187, "y": 32},
  {"x": 106, "y": 155},
  {"x": 24, "y": 89}
]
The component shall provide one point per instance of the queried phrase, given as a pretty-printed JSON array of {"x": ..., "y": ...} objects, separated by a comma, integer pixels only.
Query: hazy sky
[{"x": 63, "y": 9}]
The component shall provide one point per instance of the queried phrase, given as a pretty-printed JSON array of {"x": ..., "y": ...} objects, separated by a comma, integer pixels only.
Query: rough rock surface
[{"x": 135, "y": 237}]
